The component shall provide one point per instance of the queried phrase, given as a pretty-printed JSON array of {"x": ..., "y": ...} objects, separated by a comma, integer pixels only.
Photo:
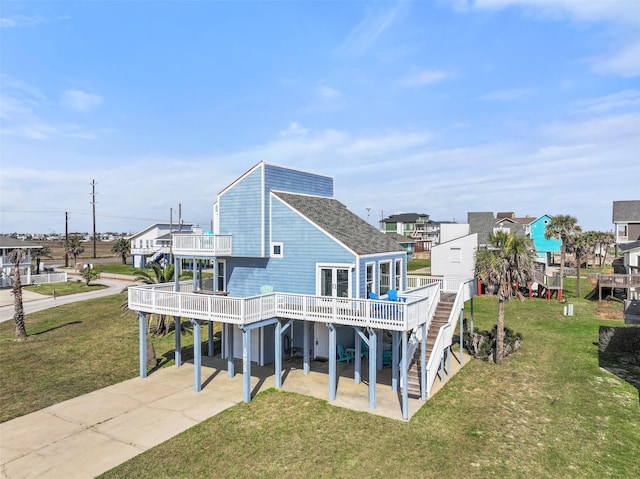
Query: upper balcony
[{"x": 201, "y": 245}]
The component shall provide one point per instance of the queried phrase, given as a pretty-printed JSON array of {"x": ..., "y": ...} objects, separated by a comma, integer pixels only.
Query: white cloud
[
  {"x": 625, "y": 11},
  {"x": 328, "y": 93},
  {"x": 79, "y": 100},
  {"x": 425, "y": 77},
  {"x": 620, "y": 100},
  {"x": 378, "y": 18},
  {"x": 20, "y": 21},
  {"x": 510, "y": 94},
  {"x": 294, "y": 129},
  {"x": 624, "y": 63}
]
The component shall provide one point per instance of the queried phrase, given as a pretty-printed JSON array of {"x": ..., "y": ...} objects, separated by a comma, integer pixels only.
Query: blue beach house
[{"x": 297, "y": 273}]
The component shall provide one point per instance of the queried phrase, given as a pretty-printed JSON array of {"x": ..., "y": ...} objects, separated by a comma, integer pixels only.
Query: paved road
[{"x": 33, "y": 302}]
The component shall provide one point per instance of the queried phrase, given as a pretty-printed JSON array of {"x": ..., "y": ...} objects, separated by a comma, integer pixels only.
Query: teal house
[{"x": 545, "y": 248}]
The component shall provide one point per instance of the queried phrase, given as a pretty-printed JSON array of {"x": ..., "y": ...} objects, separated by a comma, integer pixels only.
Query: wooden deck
[{"x": 629, "y": 282}]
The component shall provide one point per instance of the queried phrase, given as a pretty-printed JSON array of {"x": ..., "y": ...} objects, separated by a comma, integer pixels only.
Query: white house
[
  {"x": 154, "y": 243},
  {"x": 455, "y": 255},
  {"x": 7, "y": 244}
]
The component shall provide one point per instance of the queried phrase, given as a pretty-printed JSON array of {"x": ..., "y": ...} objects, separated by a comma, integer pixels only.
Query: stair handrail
[{"x": 444, "y": 339}]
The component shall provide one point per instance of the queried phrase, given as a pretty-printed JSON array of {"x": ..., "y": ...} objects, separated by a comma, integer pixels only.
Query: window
[
  {"x": 370, "y": 278},
  {"x": 398, "y": 275},
  {"x": 277, "y": 250},
  {"x": 455, "y": 254},
  {"x": 220, "y": 276},
  {"x": 385, "y": 277}
]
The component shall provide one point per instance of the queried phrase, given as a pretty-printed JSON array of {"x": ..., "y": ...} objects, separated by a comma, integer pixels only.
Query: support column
[
  {"x": 195, "y": 273},
  {"x": 210, "y": 339},
  {"x": 373, "y": 355},
  {"x": 305, "y": 340},
  {"x": 423, "y": 364},
  {"x": 379, "y": 350},
  {"x": 178, "y": 340},
  {"x": 358, "y": 359},
  {"x": 278, "y": 355},
  {"x": 176, "y": 273},
  {"x": 246, "y": 364},
  {"x": 394, "y": 360},
  {"x": 405, "y": 388},
  {"x": 142, "y": 336},
  {"x": 332, "y": 362},
  {"x": 197, "y": 356},
  {"x": 230, "y": 353}
]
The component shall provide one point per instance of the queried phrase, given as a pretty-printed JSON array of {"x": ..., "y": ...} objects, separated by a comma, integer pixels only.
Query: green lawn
[
  {"x": 550, "y": 411},
  {"x": 63, "y": 289}
]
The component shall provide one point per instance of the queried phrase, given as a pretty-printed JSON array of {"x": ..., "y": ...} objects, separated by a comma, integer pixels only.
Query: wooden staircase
[{"x": 440, "y": 318}]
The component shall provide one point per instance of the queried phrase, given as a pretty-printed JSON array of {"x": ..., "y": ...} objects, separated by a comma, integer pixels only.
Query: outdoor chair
[
  {"x": 386, "y": 358},
  {"x": 392, "y": 295},
  {"x": 343, "y": 356},
  {"x": 266, "y": 289}
]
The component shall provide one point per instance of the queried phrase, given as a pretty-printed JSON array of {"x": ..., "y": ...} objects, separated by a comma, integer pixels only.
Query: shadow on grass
[
  {"x": 56, "y": 327},
  {"x": 619, "y": 353}
]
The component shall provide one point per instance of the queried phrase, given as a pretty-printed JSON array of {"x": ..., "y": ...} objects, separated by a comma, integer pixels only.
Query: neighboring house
[
  {"x": 481, "y": 223},
  {"x": 153, "y": 243},
  {"x": 7, "y": 244},
  {"x": 626, "y": 218},
  {"x": 631, "y": 257},
  {"x": 417, "y": 226},
  {"x": 408, "y": 244},
  {"x": 294, "y": 271},
  {"x": 455, "y": 256},
  {"x": 545, "y": 248}
]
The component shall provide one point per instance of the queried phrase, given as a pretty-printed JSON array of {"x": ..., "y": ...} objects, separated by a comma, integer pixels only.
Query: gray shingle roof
[
  {"x": 482, "y": 223},
  {"x": 334, "y": 218},
  {"x": 405, "y": 218},
  {"x": 624, "y": 211}
]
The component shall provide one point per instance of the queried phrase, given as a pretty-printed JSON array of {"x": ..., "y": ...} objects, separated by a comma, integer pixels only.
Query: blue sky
[{"x": 439, "y": 107}]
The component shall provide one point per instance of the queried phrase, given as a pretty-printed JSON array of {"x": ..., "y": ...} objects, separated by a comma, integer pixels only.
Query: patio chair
[
  {"x": 266, "y": 289},
  {"x": 343, "y": 356},
  {"x": 386, "y": 358},
  {"x": 392, "y": 295},
  {"x": 364, "y": 349},
  {"x": 373, "y": 295}
]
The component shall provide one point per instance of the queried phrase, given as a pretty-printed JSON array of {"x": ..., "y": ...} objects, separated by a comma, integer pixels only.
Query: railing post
[
  {"x": 423, "y": 364},
  {"x": 461, "y": 333}
]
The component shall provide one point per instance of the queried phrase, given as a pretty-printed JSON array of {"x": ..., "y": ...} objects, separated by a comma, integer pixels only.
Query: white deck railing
[
  {"x": 201, "y": 245},
  {"x": 398, "y": 316}
]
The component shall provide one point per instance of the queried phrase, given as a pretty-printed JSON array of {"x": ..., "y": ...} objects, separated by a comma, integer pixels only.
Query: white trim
[
  {"x": 262, "y": 215},
  {"x": 335, "y": 266},
  {"x": 374, "y": 285},
  {"x": 272, "y": 253}
]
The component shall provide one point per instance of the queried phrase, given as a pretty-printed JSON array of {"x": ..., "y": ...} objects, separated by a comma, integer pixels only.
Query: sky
[{"x": 440, "y": 107}]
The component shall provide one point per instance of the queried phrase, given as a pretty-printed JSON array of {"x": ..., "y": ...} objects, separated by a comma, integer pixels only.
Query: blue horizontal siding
[{"x": 240, "y": 209}]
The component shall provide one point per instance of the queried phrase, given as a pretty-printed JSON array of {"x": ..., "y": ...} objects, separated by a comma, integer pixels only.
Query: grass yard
[
  {"x": 63, "y": 289},
  {"x": 72, "y": 350},
  {"x": 549, "y": 411}
]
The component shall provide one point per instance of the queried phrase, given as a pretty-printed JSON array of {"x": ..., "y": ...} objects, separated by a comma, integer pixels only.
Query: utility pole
[
  {"x": 93, "y": 203},
  {"x": 66, "y": 238},
  {"x": 368, "y": 211}
]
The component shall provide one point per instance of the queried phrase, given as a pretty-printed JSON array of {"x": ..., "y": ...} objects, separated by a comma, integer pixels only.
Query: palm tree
[
  {"x": 562, "y": 227},
  {"x": 89, "y": 274},
  {"x": 580, "y": 245},
  {"x": 160, "y": 275},
  {"x": 44, "y": 252},
  {"x": 16, "y": 256},
  {"x": 507, "y": 262},
  {"x": 122, "y": 246},
  {"x": 73, "y": 246}
]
